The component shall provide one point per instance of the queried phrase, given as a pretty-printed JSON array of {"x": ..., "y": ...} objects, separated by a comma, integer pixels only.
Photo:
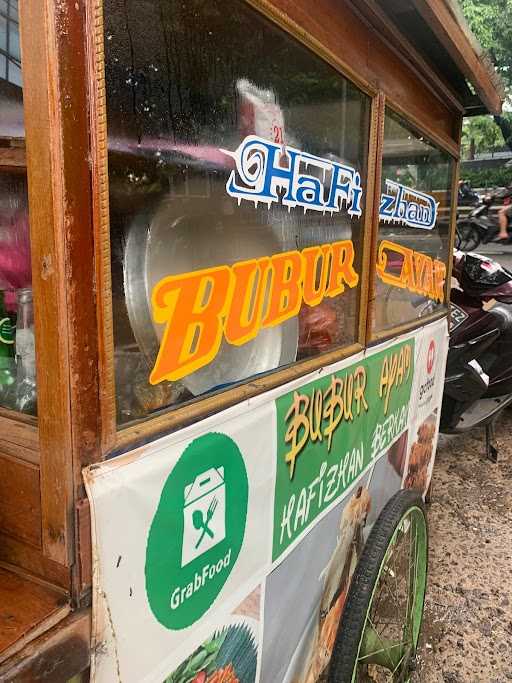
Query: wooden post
[{"x": 57, "y": 140}]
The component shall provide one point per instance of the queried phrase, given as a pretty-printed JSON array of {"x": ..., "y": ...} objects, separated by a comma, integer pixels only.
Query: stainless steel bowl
[{"x": 185, "y": 236}]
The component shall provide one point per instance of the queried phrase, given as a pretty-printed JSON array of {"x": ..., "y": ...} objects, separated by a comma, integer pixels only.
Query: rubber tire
[
  {"x": 348, "y": 638},
  {"x": 472, "y": 239}
]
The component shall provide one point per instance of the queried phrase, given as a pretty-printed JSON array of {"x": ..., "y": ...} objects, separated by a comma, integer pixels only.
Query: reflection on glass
[
  {"x": 414, "y": 227},
  {"x": 187, "y": 82},
  {"x": 17, "y": 348},
  {"x": 16, "y": 351}
]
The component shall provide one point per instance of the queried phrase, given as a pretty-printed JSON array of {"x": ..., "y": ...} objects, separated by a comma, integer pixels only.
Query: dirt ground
[{"x": 467, "y": 630}]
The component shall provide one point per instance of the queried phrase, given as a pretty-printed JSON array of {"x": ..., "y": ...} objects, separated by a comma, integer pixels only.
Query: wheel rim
[{"x": 390, "y": 635}]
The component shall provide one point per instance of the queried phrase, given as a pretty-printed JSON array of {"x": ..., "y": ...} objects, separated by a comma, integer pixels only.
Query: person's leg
[{"x": 503, "y": 218}]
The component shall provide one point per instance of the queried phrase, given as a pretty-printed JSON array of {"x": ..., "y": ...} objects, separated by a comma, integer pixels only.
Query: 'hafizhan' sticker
[
  {"x": 263, "y": 167},
  {"x": 402, "y": 204}
]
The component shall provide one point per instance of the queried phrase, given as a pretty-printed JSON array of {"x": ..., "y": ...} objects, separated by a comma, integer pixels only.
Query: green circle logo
[{"x": 197, "y": 531}]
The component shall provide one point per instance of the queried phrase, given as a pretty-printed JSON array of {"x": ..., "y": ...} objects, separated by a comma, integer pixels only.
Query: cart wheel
[{"x": 378, "y": 633}]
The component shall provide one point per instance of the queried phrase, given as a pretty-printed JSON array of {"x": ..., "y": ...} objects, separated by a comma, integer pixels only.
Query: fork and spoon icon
[{"x": 201, "y": 522}]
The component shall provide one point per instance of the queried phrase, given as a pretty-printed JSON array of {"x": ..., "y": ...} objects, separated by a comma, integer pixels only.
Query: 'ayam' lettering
[
  {"x": 418, "y": 273},
  {"x": 395, "y": 371}
]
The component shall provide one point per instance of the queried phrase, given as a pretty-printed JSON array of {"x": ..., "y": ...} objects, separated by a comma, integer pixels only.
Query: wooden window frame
[
  {"x": 55, "y": 156},
  {"x": 374, "y": 337},
  {"x": 65, "y": 160},
  {"x": 115, "y": 440},
  {"x": 170, "y": 418}
]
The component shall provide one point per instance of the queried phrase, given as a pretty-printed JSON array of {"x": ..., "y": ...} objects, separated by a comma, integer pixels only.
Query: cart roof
[{"x": 436, "y": 36}]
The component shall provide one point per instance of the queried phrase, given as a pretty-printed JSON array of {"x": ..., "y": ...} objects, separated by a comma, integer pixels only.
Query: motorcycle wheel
[
  {"x": 378, "y": 633},
  {"x": 467, "y": 237}
]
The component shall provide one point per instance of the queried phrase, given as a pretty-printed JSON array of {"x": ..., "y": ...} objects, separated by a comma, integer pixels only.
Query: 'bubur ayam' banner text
[{"x": 330, "y": 430}]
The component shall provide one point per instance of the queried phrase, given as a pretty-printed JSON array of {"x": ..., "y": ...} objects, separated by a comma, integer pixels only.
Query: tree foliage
[
  {"x": 480, "y": 134},
  {"x": 491, "y": 22},
  {"x": 487, "y": 177}
]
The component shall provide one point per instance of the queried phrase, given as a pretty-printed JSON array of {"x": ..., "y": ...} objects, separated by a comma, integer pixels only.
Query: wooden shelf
[
  {"x": 27, "y": 610},
  {"x": 13, "y": 158},
  {"x": 20, "y": 436}
]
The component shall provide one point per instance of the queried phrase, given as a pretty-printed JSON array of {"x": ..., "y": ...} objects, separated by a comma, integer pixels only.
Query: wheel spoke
[
  {"x": 370, "y": 639},
  {"x": 396, "y": 590},
  {"x": 387, "y": 631},
  {"x": 398, "y": 665}
]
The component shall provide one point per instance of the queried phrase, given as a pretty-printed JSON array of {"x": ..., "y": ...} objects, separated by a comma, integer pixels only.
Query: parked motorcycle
[
  {"x": 478, "y": 383},
  {"x": 481, "y": 224}
]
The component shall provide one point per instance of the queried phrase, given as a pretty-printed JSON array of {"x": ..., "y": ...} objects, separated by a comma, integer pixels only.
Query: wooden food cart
[{"x": 226, "y": 230}]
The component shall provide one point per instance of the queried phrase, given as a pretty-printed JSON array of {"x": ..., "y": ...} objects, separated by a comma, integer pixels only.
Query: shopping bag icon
[{"x": 204, "y": 514}]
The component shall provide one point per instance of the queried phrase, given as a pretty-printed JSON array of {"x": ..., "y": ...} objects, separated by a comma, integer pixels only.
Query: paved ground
[
  {"x": 500, "y": 253},
  {"x": 467, "y": 634}
]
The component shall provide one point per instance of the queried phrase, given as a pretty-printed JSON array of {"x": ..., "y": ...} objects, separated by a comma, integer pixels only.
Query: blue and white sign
[
  {"x": 264, "y": 167},
  {"x": 402, "y": 204}
]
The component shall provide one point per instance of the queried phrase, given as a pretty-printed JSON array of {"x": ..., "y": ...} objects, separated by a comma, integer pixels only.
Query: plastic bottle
[
  {"x": 7, "y": 364},
  {"x": 26, "y": 388}
]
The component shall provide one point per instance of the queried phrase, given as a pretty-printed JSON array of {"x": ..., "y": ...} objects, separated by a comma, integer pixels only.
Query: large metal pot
[{"x": 188, "y": 235}]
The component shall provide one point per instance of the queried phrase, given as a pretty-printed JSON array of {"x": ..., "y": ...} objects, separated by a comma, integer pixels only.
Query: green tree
[
  {"x": 491, "y": 22},
  {"x": 480, "y": 134}
]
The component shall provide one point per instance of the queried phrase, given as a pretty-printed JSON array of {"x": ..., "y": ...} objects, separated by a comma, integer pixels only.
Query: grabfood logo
[
  {"x": 431, "y": 356},
  {"x": 197, "y": 531},
  {"x": 427, "y": 386}
]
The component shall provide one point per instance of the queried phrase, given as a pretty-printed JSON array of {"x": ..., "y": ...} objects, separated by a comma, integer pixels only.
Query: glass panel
[
  {"x": 3, "y": 33},
  {"x": 14, "y": 42},
  {"x": 414, "y": 227},
  {"x": 236, "y": 164},
  {"x": 15, "y": 74},
  {"x": 11, "y": 98},
  {"x": 17, "y": 347},
  {"x": 17, "y": 352}
]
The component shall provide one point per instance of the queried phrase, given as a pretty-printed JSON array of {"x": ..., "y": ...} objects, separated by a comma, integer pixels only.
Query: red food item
[
  {"x": 200, "y": 677},
  {"x": 317, "y": 327},
  {"x": 225, "y": 675}
]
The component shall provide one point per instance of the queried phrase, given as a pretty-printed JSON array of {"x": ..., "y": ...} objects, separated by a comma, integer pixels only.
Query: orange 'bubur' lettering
[
  {"x": 342, "y": 268},
  {"x": 192, "y": 307},
  {"x": 237, "y": 301},
  {"x": 312, "y": 293},
  {"x": 285, "y": 295},
  {"x": 243, "y": 320}
]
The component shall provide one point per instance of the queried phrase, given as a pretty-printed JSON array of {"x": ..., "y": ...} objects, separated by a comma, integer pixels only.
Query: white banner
[{"x": 211, "y": 543}]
